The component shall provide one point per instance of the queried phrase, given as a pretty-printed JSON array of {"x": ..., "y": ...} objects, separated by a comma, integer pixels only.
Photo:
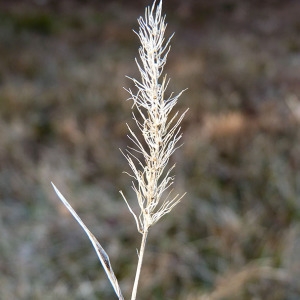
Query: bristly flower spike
[{"x": 159, "y": 132}]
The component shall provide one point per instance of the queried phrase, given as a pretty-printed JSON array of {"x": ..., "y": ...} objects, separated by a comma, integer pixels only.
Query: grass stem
[{"x": 139, "y": 266}]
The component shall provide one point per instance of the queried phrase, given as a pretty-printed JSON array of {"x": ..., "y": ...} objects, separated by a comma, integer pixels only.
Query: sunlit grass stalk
[
  {"x": 156, "y": 139},
  {"x": 149, "y": 156}
]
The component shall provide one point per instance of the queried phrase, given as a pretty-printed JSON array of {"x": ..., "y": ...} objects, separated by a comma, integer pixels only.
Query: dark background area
[{"x": 235, "y": 235}]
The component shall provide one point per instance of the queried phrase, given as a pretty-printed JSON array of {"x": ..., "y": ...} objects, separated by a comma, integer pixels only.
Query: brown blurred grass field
[{"x": 236, "y": 235}]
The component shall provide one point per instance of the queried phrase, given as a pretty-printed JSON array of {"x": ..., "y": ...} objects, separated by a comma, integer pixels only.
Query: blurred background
[{"x": 236, "y": 234}]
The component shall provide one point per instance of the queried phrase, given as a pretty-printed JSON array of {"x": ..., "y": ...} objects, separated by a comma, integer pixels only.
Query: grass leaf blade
[{"x": 102, "y": 255}]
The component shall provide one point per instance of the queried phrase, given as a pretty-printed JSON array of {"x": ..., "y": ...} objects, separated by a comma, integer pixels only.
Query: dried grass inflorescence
[
  {"x": 158, "y": 137},
  {"x": 160, "y": 134}
]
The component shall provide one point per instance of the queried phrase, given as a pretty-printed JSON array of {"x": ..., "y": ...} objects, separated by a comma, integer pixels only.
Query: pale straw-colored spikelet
[{"x": 159, "y": 129}]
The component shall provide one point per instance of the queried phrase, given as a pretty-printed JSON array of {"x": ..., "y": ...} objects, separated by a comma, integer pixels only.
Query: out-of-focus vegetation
[{"x": 236, "y": 235}]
